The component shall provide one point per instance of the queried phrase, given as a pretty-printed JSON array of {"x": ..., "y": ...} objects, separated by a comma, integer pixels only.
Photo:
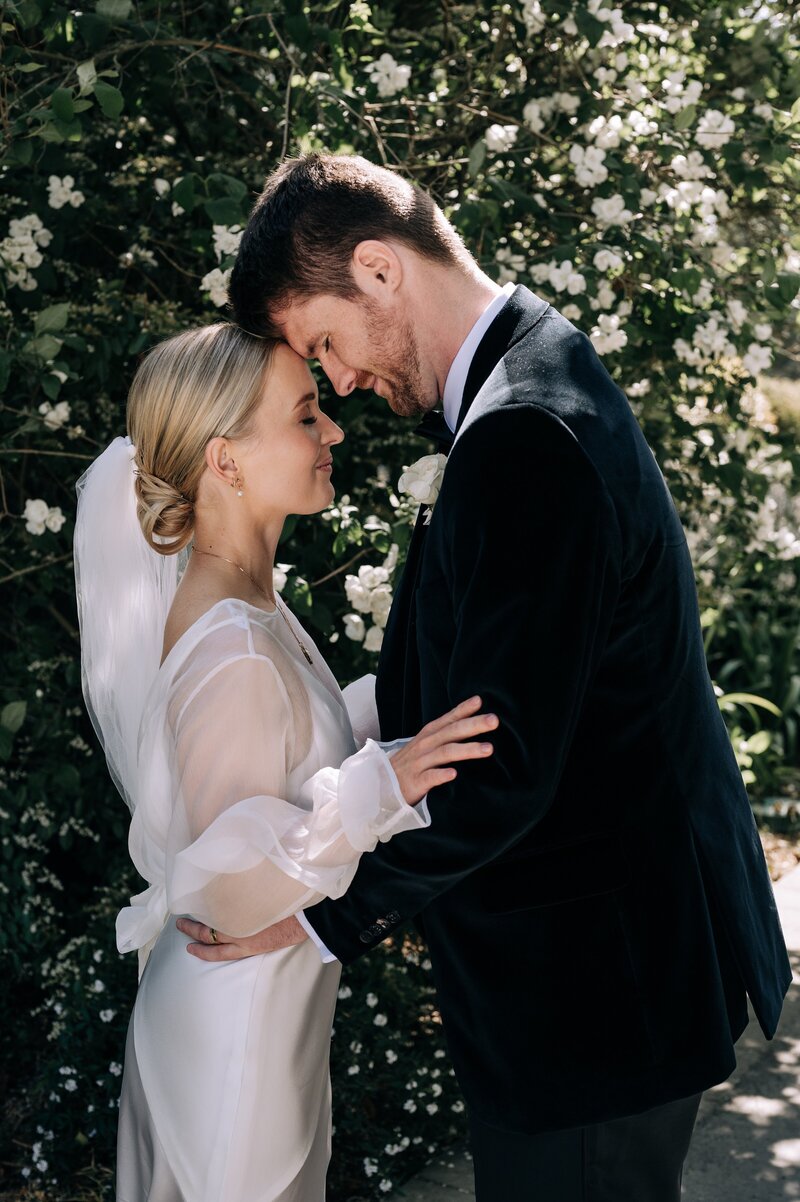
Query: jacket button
[
  {"x": 366, "y": 937},
  {"x": 393, "y": 917}
]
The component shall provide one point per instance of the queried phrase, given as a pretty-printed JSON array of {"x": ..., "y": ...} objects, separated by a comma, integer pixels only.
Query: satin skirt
[{"x": 226, "y": 1088}]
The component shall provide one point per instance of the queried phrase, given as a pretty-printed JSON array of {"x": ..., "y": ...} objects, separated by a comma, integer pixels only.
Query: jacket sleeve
[{"x": 531, "y": 555}]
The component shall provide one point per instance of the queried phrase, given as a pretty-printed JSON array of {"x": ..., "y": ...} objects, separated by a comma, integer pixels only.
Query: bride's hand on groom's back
[{"x": 426, "y": 760}]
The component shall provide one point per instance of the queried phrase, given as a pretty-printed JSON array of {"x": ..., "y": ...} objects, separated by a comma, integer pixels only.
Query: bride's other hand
[
  {"x": 425, "y": 761},
  {"x": 229, "y": 947}
]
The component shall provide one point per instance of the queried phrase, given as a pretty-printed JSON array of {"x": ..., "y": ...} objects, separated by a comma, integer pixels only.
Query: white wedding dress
[{"x": 252, "y": 803}]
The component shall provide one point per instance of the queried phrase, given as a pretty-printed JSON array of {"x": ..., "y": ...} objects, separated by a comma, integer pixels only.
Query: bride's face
[{"x": 285, "y": 464}]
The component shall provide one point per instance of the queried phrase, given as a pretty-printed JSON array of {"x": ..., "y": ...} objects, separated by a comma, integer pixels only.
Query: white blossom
[
  {"x": 736, "y": 312},
  {"x": 380, "y": 602},
  {"x": 571, "y": 312},
  {"x": 680, "y": 94},
  {"x": 423, "y": 479},
  {"x": 589, "y": 167},
  {"x": 215, "y": 283},
  {"x": 534, "y": 115},
  {"x": 510, "y": 264},
  {"x": 389, "y": 76},
  {"x": 691, "y": 166},
  {"x": 20, "y": 252},
  {"x": 762, "y": 331},
  {"x": 62, "y": 192},
  {"x": 107, "y": 1015},
  {"x": 715, "y": 130},
  {"x": 607, "y": 260},
  {"x": 137, "y": 254},
  {"x": 162, "y": 186},
  {"x": 499, "y": 138},
  {"x": 535, "y": 20},
  {"x": 280, "y": 575},
  {"x": 55, "y": 416},
  {"x": 354, "y": 627},
  {"x": 374, "y": 639},
  {"x": 40, "y": 517},
  {"x": 758, "y": 359},
  {"x": 607, "y": 336},
  {"x": 606, "y": 132},
  {"x": 226, "y": 240},
  {"x": 611, "y": 210}
]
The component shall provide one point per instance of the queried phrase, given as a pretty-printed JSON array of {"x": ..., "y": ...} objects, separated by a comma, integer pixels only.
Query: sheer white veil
[{"x": 124, "y": 590}]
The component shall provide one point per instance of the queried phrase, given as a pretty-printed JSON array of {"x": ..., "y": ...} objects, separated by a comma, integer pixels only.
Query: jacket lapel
[{"x": 398, "y": 679}]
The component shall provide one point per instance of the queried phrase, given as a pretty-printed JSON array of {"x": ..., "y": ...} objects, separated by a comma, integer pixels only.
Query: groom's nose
[{"x": 340, "y": 375}]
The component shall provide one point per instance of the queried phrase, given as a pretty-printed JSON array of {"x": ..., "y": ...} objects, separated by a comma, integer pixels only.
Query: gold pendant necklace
[{"x": 280, "y": 608}]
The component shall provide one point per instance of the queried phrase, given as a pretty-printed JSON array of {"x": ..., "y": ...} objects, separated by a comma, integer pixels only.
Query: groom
[{"x": 594, "y": 897}]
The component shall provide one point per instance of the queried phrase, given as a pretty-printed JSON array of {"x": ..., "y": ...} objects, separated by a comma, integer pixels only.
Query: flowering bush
[{"x": 636, "y": 165}]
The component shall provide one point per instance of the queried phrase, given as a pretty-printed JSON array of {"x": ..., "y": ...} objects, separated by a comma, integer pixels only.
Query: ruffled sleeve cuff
[{"x": 372, "y": 807}]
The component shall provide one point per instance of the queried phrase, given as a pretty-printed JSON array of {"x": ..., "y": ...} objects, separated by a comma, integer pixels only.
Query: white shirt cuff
[{"x": 326, "y": 955}]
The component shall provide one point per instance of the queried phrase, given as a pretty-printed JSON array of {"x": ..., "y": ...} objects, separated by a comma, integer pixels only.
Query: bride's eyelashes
[{"x": 308, "y": 421}]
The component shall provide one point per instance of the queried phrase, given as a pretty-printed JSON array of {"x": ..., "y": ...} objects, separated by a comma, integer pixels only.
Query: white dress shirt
[{"x": 451, "y": 400}]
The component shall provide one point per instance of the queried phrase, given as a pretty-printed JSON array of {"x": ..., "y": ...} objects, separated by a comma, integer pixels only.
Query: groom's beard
[{"x": 395, "y": 348}]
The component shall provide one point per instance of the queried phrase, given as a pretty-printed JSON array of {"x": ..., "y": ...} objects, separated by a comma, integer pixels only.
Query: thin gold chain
[{"x": 278, "y": 606}]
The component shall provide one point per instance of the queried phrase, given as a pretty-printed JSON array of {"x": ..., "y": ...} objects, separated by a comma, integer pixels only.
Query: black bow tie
[{"x": 434, "y": 427}]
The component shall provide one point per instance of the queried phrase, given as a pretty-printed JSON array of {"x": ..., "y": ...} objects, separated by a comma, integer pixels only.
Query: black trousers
[{"x": 636, "y": 1159}]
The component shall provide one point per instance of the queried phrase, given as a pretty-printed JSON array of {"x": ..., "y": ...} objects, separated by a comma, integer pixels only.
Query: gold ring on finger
[{"x": 213, "y": 934}]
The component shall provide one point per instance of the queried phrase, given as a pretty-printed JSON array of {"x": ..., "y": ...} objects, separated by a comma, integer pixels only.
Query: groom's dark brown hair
[{"x": 308, "y": 220}]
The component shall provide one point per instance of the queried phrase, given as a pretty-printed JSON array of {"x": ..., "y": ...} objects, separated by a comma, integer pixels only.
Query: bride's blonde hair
[{"x": 205, "y": 383}]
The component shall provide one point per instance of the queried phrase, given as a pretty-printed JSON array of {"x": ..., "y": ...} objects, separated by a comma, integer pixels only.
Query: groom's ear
[{"x": 377, "y": 268}]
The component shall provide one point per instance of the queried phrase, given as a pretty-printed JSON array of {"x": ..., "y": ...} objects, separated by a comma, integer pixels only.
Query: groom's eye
[{"x": 326, "y": 346}]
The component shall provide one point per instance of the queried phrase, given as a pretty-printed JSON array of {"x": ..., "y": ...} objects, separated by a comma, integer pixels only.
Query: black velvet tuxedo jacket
[{"x": 594, "y": 896}]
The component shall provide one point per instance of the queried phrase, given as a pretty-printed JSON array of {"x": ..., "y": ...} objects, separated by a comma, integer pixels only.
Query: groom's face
[{"x": 361, "y": 344}]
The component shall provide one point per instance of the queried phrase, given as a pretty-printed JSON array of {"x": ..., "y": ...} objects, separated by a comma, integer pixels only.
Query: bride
[{"x": 229, "y": 739}]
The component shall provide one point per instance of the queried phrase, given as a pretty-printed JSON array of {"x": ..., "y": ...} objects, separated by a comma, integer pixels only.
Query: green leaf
[
  {"x": 109, "y": 98},
  {"x": 29, "y": 14},
  {"x": 51, "y": 320},
  {"x": 28, "y": 67},
  {"x": 728, "y": 700},
  {"x": 13, "y": 715},
  {"x": 183, "y": 192},
  {"x": 114, "y": 10},
  {"x": 21, "y": 152},
  {"x": 758, "y": 743},
  {"x": 225, "y": 211},
  {"x": 788, "y": 285},
  {"x": 87, "y": 76},
  {"x": 51, "y": 386},
  {"x": 686, "y": 116},
  {"x": 46, "y": 347},
  {"x": 61, "y": 104},
  {"x": 228, "y": 185},
  {"x": 477, "y": 157}
]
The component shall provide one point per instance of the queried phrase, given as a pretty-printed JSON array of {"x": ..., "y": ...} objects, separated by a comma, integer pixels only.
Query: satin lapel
[{"x": 517, "y": 317}]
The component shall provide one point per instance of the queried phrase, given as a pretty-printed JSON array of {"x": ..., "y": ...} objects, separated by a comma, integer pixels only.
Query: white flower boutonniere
[{"x": 423, "y": 480}]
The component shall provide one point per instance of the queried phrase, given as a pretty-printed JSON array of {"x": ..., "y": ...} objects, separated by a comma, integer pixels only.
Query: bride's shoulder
[{"x": 204, "y": 627}]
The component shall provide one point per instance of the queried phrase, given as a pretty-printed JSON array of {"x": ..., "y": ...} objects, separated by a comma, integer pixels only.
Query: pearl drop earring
[{"x": 237, "y": 484}]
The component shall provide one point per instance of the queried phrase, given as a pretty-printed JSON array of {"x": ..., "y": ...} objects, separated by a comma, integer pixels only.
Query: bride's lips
[{"x": 325, "y": 466}]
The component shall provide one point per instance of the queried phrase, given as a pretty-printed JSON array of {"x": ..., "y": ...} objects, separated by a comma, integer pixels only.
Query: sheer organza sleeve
[
  {"x": 362, "y": 709},
  {"x": 240, "y": 853}
]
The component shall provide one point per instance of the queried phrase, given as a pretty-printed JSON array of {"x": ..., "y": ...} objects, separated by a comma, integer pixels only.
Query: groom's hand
[{"x": 228, "y": 947}]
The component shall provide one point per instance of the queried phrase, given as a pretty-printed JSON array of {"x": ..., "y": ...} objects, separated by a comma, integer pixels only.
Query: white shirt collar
[{"x": 459, "y": 368}]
